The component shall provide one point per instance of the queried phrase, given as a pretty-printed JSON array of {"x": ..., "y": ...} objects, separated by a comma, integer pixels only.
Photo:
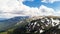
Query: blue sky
[
  {"x": 12, "y": 8},
  {"x": 38, "y": 3}
]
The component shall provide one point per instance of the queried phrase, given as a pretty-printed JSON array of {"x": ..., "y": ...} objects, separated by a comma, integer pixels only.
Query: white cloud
[
  {"x": 29, "y": 0},
  {"x": 50, "y": 1},
  {"x": 46, "y": 11},
  {"x": 57, "y": 13},
  {"x": 12, "y": 8}
]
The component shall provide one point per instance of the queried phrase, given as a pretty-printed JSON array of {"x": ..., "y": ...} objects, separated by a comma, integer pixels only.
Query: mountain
[
  {"x": 3, "y": 18},
  {"x": 8, "y": 23}
]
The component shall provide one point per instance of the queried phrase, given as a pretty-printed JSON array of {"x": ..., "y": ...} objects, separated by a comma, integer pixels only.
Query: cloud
[
  {"x": 46, "y": 10},
  {"x": 50, "y": 1},
  {"x": 12, "y": 8},
  {"x": 57, "y": 13},
  {"x": 29, "y": 0}
]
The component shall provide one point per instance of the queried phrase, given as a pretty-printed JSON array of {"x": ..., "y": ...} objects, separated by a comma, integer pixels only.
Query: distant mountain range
[
  {"x": 8, "y": 23},
  {"x": 3, "y": 18}
]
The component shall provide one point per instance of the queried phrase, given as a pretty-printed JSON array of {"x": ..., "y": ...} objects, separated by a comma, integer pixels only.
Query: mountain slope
[{"x": 5, "y": 24}]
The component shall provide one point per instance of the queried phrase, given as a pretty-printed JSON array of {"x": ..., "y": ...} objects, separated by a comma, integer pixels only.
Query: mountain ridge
[{"x": 5, "y": 24}]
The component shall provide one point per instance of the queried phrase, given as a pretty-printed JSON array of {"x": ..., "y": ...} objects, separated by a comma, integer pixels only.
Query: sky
[
  {"x": 13, "y": 8},
  {"x": 37, "y": 3}
]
